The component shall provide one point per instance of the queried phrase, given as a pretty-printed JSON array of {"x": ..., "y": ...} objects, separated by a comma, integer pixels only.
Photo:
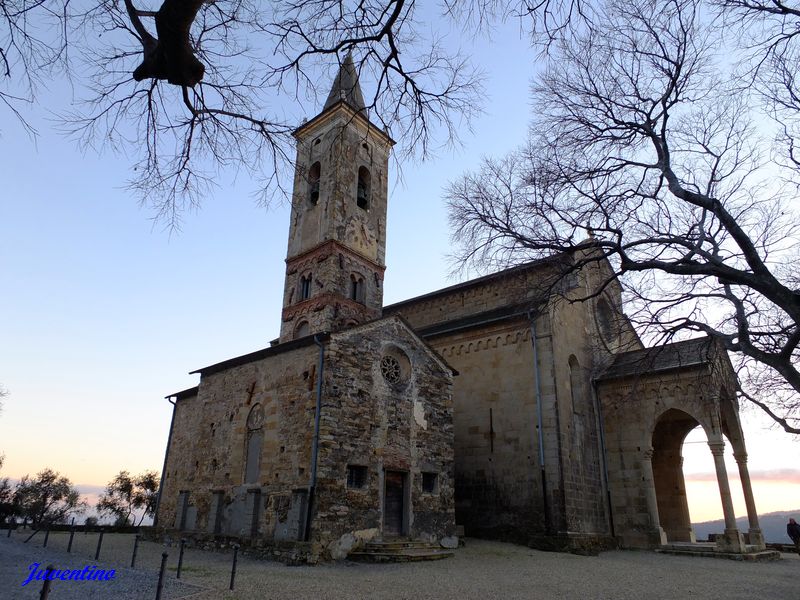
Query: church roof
[
  {"x": 531, "y": 265},
  {"x": 259, "y": 354},
  {"x": 678, "y": 355},
  {"x": 184, "y": 393},
  {"x": 346, "y": 87}
]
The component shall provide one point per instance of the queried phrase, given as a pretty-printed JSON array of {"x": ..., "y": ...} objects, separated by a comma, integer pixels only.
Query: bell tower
[{"x": 337, "y": 232}]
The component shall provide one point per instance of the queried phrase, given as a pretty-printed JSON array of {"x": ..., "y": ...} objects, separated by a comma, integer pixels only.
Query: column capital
[
  {"x": 741, "y": 457},
  {"x": 717, "y": 447}
]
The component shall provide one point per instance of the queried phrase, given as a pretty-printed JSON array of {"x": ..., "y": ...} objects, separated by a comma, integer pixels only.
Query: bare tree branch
[{"x": 642, "y": 145}]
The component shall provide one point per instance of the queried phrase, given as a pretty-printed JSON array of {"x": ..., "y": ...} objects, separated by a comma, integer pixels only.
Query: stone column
[
  {"x": 755, "y": 534},
  {"x": 685, "y": 531},
  {"x": 658, "y": 538},
  {"x": 732, "y": 540}
]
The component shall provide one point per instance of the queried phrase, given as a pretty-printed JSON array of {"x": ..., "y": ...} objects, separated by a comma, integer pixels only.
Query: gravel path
[
  {"x": 127, "y": 584},
  {"x": 481, "y": 570}
]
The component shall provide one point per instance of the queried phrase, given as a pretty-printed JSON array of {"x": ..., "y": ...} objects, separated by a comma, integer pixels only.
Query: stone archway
[
  {"x": 669, "y": 433},
  {"x": 651, "y": 399}
]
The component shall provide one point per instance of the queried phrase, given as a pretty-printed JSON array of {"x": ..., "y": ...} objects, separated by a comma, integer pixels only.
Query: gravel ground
[
  {"x": 481, "y": 570},
  {"x": 127, "y": 584}
]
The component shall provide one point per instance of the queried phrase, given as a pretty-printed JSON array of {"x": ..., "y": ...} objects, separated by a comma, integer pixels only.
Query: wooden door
[{"x": 393, "y": 503}]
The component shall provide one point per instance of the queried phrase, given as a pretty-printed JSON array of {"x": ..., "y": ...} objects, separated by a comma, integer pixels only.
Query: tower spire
[{"x": 345, "y": 86}]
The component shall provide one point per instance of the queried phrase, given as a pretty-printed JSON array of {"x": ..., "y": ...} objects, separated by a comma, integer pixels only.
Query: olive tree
[
  {"x": 47, "y": 498},
  {"x": 127, "y": 495}
]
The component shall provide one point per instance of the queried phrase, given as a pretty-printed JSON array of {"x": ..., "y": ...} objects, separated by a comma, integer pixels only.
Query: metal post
[
  {"x": 233, "y": 569},
  {"x": 71, "y": 535},
  {"x": 46, "y": 585},
  {"x": 46, "y": 537},
  {"x": 161, "y": 575},
  {"x": 180, "y": 558},
  {"x": 99, "y": 543},
  {"x": 135, "y": 548}
]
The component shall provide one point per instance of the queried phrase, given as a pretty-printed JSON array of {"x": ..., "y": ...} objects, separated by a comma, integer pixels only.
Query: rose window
[{"x": 390, "y": 369}]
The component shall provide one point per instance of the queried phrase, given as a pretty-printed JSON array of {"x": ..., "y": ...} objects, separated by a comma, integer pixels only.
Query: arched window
[
  {"x": 305, "y": 287},
  {"x": 363, "y": 190},
  {"x": 606, "y": 320},
  {"x": 313, "y": 183},
  {"x": 576, "y": 385},
  {"x": 357, "y": 288},
  {"x": 302, "y": 330},
  {"x": 255, "y": 436}
]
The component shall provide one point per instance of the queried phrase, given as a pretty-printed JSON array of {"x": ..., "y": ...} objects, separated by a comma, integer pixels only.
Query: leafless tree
[
  {"x": 644, "y": 143},
  {"x": 191, "y": 87},
  {"x": 32, "y": 41},
  {"x": 199, "y": 86}
]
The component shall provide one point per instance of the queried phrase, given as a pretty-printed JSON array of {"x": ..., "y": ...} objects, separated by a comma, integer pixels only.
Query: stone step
[
  {"x": 400, "y": 550},
  {"x": 706, "y": 552},
  {"x": 400, "y": 555},
  {"x": 401, "y": 544}
]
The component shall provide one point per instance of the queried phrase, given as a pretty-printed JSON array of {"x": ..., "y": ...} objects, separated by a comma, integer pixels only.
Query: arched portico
[
  {"x": 651, "y": 400},
  {"x": 670, "y": 431}
]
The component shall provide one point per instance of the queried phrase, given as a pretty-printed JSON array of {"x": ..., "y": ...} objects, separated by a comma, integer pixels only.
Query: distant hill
[{"x": 773, "y": 525}]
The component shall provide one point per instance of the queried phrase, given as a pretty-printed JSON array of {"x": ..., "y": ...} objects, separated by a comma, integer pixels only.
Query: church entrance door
[{"x": 394, "y": 503}]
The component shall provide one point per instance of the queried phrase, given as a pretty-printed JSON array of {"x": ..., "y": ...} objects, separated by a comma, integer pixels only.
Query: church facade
[{"x": 502, "y": 404}]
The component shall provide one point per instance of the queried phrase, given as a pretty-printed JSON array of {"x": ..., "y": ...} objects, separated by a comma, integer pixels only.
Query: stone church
[{"x": 501, "y": 405}]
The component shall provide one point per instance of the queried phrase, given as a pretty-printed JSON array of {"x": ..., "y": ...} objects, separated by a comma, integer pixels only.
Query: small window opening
[
  {"x": 363, "y": 190},
  {"x": 365, "y": 146},
  {"x": 429, "y": 483},
  {"x": 317, "y": 141},
  {"x": 305, "y": 287},
  {"x": 357, "y": 288},
  {"x": 356, "y": 477},
  {"x": 313, "y": 183}
]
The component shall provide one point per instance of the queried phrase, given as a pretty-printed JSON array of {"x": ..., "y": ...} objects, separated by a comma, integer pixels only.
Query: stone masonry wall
[
  {"x": 642, "y": 400},
  {"x": 498, "y": 478},
  {"x": 499, "y": 483},
  {"x": 209, "y": 444},
  {"x": 366, "y": 421}
]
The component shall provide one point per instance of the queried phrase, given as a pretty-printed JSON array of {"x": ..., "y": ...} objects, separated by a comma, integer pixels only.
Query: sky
[{"x": 105, "y": 312}]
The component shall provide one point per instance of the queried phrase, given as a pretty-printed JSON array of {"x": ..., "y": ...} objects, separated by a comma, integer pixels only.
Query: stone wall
[
  {"x": 342, "y": 143},
  {"x": 644, "y": 461},
  {"x": 501, "y": 488},
  {"x": 335, "y": 237},
  {"x": 209, "y": 444},
  {"x": 404, "y": 427},
  {"x": 269, "y": 403},
  {"x": 498, "y": 479},
  {"x": 329, "y": 306}
]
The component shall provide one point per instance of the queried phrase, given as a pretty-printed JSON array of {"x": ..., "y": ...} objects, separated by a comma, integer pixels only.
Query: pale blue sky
[{"x": 104, "y": 313}]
